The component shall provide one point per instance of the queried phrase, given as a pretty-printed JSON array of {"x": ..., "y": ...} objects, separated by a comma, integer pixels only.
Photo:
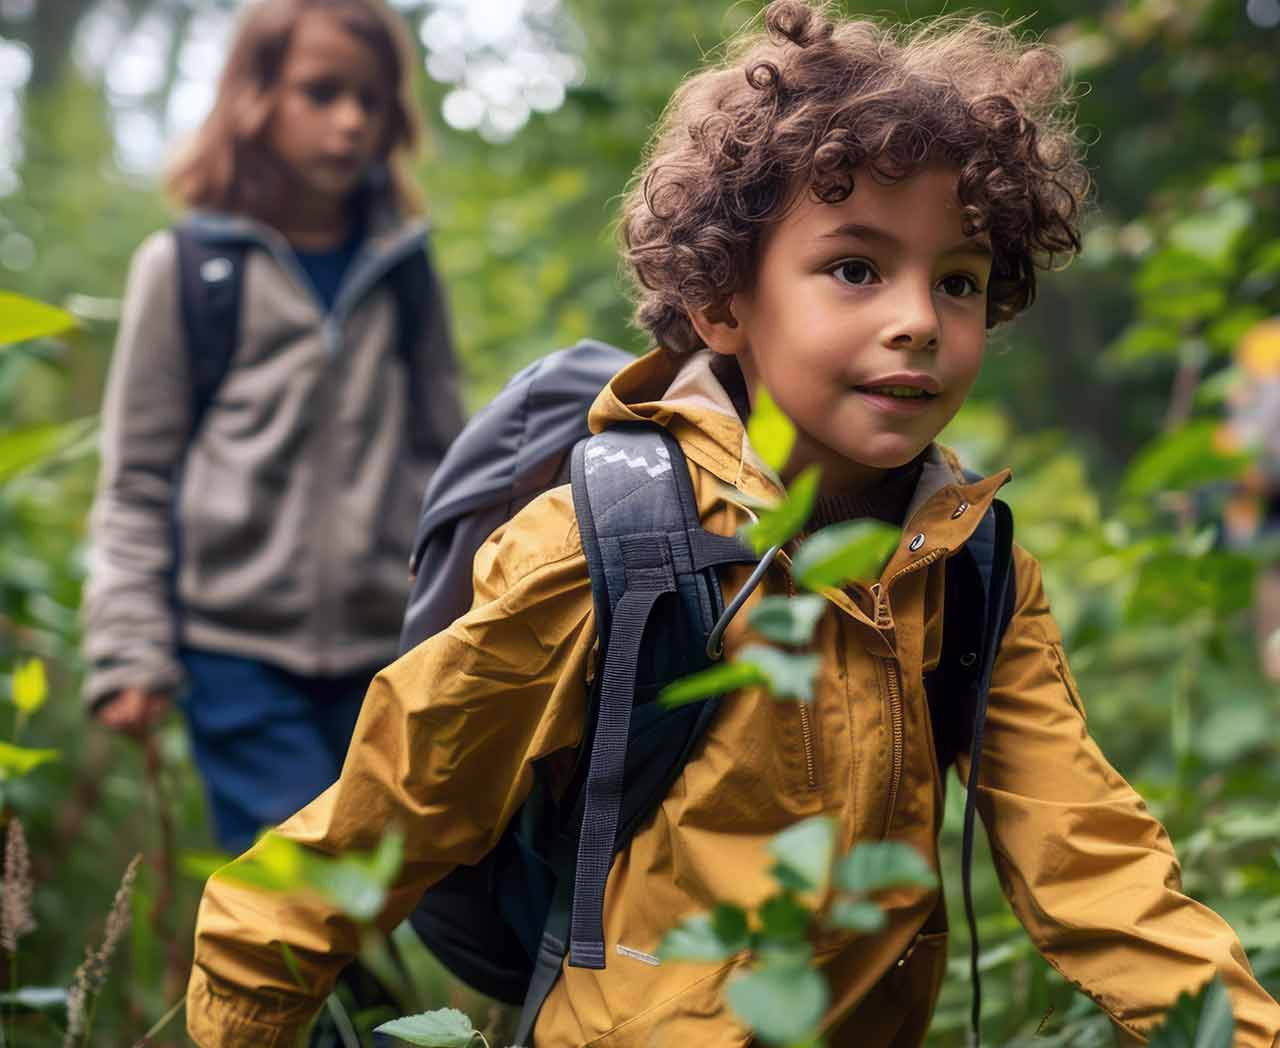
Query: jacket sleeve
[
  {"x": 129, "y": 637},
  {"x": 438, "y": 416},
  {"x": 443, "y": 748},
  {"x": 1089, "y": 871}
]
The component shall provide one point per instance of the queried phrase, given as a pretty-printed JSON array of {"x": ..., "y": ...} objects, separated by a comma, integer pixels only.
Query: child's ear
[{"x": 719, "y": 328}]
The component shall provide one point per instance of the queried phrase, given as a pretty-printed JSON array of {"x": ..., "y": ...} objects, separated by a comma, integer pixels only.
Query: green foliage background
[{"x": 1178, "y": 102}]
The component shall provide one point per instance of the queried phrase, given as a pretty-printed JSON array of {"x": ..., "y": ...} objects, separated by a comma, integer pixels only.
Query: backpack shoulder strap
[
  {"x": 645, "y": 546},
  {"x": 210, "y": 284},
  {"x": 645, "y": 549},
  {"x": 408, "y": 280}
]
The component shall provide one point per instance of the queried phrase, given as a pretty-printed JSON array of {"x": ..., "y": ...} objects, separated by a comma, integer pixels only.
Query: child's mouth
[{"x": 897, "y": 392}]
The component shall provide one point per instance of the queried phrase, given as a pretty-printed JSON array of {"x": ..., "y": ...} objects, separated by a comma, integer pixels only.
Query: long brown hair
[{"x": 228, "y": 165}]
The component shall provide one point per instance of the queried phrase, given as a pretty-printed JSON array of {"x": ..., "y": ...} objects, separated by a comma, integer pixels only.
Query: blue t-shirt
[{"x": 325, "y": 269}]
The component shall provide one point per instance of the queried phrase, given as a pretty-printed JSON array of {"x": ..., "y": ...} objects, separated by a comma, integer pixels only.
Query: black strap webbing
[
  {"x": 997, "y": 595},
  {"x": 648, "y": 581}
]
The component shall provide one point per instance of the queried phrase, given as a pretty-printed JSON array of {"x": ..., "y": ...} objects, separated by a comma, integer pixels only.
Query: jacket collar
[{"x": 686, "y": 393}]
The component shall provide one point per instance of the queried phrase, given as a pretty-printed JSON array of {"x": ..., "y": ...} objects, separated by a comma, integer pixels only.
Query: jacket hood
[{"x": 700, "y": 397}]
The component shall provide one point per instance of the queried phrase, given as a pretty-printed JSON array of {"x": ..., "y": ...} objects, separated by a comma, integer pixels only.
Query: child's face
[
  {"x": 331, "y": 111},
  {"x": 866, "y": 323}
]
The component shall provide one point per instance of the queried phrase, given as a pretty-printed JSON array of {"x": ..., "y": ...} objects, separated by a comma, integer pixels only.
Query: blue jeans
[{"x": 266, "y": 741}]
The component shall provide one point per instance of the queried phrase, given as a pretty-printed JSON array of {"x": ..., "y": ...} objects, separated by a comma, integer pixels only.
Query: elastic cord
[{"x": 715, "y": 639}]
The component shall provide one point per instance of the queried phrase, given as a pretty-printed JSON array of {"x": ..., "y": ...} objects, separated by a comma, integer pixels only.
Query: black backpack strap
[
  {"x": 210, "y": 286},
  {"x": 645, "y": 548},
  {"x": 991, "y": 549},
  {"x": 409, "y": 280}
]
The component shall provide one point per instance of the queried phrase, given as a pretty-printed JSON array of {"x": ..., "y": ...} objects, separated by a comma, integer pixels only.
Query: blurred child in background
[{"x": 250, "y": 540}]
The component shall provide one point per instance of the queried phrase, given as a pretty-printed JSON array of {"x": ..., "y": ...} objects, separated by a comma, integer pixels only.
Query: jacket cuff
[
  {"x": 216, "y": 1019},
  {"x": 104, "y": 679}
]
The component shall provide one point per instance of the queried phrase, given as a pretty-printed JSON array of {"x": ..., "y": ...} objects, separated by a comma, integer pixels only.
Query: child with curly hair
[{"x": 836, "y": 213}]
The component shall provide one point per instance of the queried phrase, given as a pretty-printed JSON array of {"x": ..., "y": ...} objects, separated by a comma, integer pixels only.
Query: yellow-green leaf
[
  {"x": 19, "y": 760},
  {"x": 770, "y": 431},
  {"x": 23, "y": 318},
  {"x": 30, "y": 686}
]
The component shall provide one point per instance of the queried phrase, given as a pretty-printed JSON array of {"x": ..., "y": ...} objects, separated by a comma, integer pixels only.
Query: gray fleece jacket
[{"x": 295, "y": 502}]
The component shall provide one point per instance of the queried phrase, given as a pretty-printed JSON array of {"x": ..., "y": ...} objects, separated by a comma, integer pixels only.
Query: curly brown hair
[{"x": 811, "y": 100}]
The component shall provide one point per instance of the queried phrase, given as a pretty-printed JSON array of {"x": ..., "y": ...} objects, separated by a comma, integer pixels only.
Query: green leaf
[
  {"x": 786, "y": 676},
  {"x": 443, "y": 1028},
  {"x": 718, "y": 680},
  {"x": 1186, "y": 458},
  {"x": 22, "y": 319},
  {"x": 357, "y": 882},
  {"x": 1212, "y": 234},
  {"x": 858, "y": 915},
  {"x": 844, "y": 553},
  {"x": 788, "y": 620},
  {"x": 21, "y": 448},
  {"x": 781, "y": 524},
  {"x": 729, "y": 923},
  {"x": 274, "y": 864},
  {"x": 696, "y": 939},
  {"x": 783, "y": 919},
  {"x": 201, "y": 865},
  {"x": 879, "y": 865},
  {"x": 770, "y": 431},
  {"x": 806, "y": 849},
  {"x": 1174, "y": 587},
  {"x": 19, "y": 760},
  {"x": 1200, "y": 1021},
  {"x": 30, "y": 686},
  {"x": 782, "y": 1005}
]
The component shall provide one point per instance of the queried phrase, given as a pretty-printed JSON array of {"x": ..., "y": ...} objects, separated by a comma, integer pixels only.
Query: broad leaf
[
  {"x": 443, "y": 1028},
  {"x": 786, "y": 676},
  {"x": 844, "y": 553},
  {"x": 783, "y": 919},
  {"x": 858, "y": 915},
  {"x": 23, "y": 318},
  {"x": 1186, "y": 458},
  {"x": 806, "y": 849},
  {"x": 719, "y": 679},
  {"x": 1173, "y": 587},
  {"x": 782, "y": 1005},
  {"x": 729, "y": 923},
  {"x": 877, "y": 865},
  {"x": 1200, "y": 1021},
  {"x": 696, "y": 939},
  {"x": 779, "y": 525},
  {"x": 770, "y": 431},
  {"x": 31, "y": 445},
  {"x": 30, "y": 686},
  {"x": 19, "y": 760},
  {"x": 788, "y": 620}
]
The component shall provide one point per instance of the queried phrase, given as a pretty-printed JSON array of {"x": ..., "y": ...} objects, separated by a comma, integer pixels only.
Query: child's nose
[
  {"x": 350, "y": 114},
  {"x": 914, "y": 321}
]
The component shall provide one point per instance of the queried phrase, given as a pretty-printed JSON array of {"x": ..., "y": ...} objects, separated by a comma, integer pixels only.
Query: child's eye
[
  {"x": 960, "y": 285},
  {"x": 321, "y": 92},
  {"x": 372, "y": 101},
  {"x": 855, "y": 272}
]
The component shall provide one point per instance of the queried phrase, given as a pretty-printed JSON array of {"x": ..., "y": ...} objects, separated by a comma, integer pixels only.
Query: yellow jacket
[{"x": 446, "y": 742}]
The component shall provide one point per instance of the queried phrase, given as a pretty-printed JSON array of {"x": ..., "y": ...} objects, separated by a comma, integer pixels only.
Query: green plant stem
[
  {"x": 342, "y": 1021},
  {"x": 161, "y": 1023}
]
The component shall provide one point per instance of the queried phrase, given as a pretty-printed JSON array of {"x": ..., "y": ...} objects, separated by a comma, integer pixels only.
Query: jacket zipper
[
  {"x": 893, "y": 683},
  {"x": 806, "y": 720}
]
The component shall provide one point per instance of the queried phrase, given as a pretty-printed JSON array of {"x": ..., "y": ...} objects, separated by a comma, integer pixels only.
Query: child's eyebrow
[{"x": 860, "y": 231}]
